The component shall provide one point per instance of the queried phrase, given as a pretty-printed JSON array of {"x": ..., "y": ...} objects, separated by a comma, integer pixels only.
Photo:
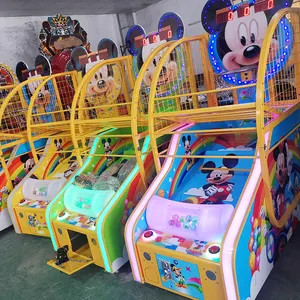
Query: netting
[
  {"x": 283, "y": 67},
  {"x": 104, "y": 100},
  {"x": 50, "y": 106},
  {"x": 185, "y": 85}
]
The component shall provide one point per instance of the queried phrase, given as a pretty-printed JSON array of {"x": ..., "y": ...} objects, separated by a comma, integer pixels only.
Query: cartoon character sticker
[
  {"x": 286, "y": 172},
  {"x": 107, "y": 149},
  {"x": 59, "y": 147},
  {"x": 187, "y": 146},
  {"x": 219, "y": 187},
  {"x": 28, "y": 162},
  {"x": 180, "y": 280},
  {"x": 180, "y": 276}
]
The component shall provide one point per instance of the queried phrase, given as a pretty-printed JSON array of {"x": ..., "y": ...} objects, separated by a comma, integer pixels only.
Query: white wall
[
  {"x": 189, "y": 10},
  {"x": 19, "y": 36}
]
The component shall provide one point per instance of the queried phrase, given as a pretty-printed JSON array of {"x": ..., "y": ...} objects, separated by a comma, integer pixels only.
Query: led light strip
[
  {"x": 111, "y": 203},
  {"x": 229, "y": 243}
]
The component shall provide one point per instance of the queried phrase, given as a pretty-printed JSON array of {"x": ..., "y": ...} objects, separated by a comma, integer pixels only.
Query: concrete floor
[{"x": 24, "y": 274}]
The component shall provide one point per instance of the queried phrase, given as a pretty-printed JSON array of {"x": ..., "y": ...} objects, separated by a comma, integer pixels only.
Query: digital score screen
[
  {"x": 224, "y": 15},
  {"x": 103, "y": 54},
  {"x": 227, "y": 14},
  {"x": 140, "y": 41},
  {"x": 163, "y": 34}
]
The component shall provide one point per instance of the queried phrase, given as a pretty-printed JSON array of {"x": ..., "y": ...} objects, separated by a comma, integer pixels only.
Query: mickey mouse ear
[
  {"x": 21, "y": 69},
  {"x": 76, "y": 61},
  {"x": 174, "y": 21},
  {"x": 209, "y": 15},
  {"x": 43, "y": 62},
  {"x": 133, "y": 32},
  {"x": 107, "y": 48},
  {"x": 277, "y": 5}
]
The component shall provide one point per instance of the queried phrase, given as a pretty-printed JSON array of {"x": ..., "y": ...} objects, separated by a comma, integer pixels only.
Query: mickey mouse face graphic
[
  {"x": 239, "y": 41},
  {"x": 222, "y": 174},
  {"x": 43, "y": 97},
  {"x": 281, "y": 154},
  {"x": 102, "y": 82},
  {"x": 106, "y": 144},
  {"x": 58, "y": 144},
  {"x": 42, "y": 68},
  {"x": 168, "y": 72},
  {"x": 187, "y": 144},
  {"x": 28, "y": 162},
  {"x": 244, "y": 38}
]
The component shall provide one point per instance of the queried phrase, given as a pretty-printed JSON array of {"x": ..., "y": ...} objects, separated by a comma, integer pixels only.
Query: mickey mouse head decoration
[
  {"x": 102, "y": 83},
  {"x": 140, "y": 45},
  {"x": 42, "y": 68},
  {"x": 236, "y": 39}
]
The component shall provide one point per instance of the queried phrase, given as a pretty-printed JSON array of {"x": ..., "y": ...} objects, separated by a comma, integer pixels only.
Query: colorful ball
[
  {"x": 257, "y": 260},
  {"x": 171, "y": 222},
  {"x": 254, "y": 246},
  {"x": 259, "y": 240},
  {"x": 252, "y": 233},
  {"x": 252, "y": 260},
  {"x": 188, "y": 218},
  {"x": 251, "y": 243},
  {"x": 177, "y": 223},
  {"x": 252, "y": 220},
  {"x": 255, "y": 224},
  {"x": 175, "y": 217}
]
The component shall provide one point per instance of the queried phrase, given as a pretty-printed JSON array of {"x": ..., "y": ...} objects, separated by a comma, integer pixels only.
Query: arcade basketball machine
[
  {"x": 48, "y": 120},
  {"x": 85, "y": 230},
  {"x": 16, "y": 157},
  {"x": 216, "y": 218}
]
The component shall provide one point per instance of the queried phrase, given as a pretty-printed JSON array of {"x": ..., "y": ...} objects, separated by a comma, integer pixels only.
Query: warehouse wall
[
  {"x": 189, "y": 10},
  {"x": 19, "y": 36}
]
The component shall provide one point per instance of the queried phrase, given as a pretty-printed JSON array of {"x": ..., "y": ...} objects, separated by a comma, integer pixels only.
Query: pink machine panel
[{"x": 191, "y": 221}]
